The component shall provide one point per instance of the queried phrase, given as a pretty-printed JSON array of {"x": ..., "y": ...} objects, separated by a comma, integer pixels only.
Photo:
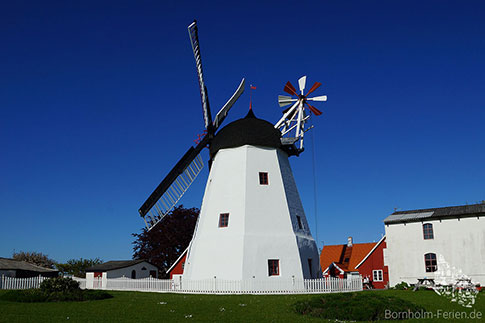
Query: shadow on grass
[
  {"x": 38, "y": 296},
  {"x": 354, "y": 306}
]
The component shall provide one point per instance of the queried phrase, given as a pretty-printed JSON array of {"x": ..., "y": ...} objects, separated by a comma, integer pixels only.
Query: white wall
[
  {"x": 262, "y": 220},
  {"x": 122, "y": 272},
  {"x": 126, "y": 272},
  {"x": 459, "y": 246}
]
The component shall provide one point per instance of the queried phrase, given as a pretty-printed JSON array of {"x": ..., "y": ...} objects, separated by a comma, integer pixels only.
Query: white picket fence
[
  {"x": 293, "y": 286},
  {"x": 31, "y": 282},
  {"x": 209, "y": 286},
  {"x": 220, "y": 286},
  {"x": 20, "y": 283}
]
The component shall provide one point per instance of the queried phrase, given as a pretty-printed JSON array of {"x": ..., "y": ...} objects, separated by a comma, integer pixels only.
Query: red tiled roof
[
  {"x": 336, "y": 253},
  {"x": 330, "y": 254}
]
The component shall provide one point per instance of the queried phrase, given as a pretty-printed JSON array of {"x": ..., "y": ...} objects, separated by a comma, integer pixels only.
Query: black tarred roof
[
  {"x": 246, "y": 131},
  {"x": 436, "y": 213}
]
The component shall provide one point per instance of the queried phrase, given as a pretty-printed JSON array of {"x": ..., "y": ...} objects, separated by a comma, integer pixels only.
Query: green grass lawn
[{"x": 147, "y": 307}]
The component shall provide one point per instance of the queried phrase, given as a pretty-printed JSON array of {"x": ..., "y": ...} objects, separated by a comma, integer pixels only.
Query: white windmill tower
[{"x": 252, "y": 224}]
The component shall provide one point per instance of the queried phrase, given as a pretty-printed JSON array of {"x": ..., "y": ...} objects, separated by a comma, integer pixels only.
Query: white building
[
  {"x": 134, "y": 269},
  {"x": 251, "y": 224},
  {"x": 441, "y": 244}
]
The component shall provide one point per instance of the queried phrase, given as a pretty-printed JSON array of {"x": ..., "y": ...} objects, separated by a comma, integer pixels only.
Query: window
[
  {"x": 273, "y": 267},
  {"x": 143, "y": 268},
  {"x": 377, "y": 275},
  {"x": 223, "y": 220},
  {"x": 298, "y": 219},
  {"x": 428, "y": 231},
  {"x": 430, "y": 262},
  {"x": 263, "y": 178},
  {"x": 310, "y": 267}
]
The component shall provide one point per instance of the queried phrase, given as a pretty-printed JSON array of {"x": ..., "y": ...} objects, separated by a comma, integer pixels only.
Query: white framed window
[
  {"x": 377, "y": 275},
  {"x": 430, "y": 262},
  {"x": 428, "y": 231}
]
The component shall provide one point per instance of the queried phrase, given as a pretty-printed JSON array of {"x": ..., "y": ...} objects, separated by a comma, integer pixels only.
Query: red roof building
[
  {"x": 177, "y": 267},
  {"x": 365, "y": 259}
]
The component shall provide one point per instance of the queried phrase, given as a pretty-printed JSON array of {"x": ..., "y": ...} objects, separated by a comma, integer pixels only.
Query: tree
[
  {"x": 35, "y": 258},
  {"x": 77, "y": 267},
  {"x": 163, "y": 244}
]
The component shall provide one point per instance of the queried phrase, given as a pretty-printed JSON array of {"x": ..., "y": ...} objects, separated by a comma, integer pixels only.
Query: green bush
[
  {"x": 402, "y": 286},
  {"x": 59, "y": 285},
  {"x": 354, "y": 306}
]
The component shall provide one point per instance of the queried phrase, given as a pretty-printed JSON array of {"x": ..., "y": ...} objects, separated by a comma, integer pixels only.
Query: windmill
[
  {"x": 295, "y": 117},
  {"x": 251, "y": 223},
  {"x": 184, "y": 173}
]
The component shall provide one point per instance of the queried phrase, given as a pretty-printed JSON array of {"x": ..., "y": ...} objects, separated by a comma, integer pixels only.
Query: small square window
[
  {"x": 263, "y": 178},
  {"x": 273, "y": 267},
  {"x": 377, "y": 275},
  {"x": 223, "y": 220}
]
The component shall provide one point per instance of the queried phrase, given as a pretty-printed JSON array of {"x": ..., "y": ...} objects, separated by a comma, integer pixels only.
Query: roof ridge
[
  {"x": 438, "y": 208},
  {"x": 344, "y": 244}
]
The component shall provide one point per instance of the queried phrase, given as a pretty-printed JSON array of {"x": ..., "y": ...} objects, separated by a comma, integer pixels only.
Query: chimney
[{"x": 349, "y": 242}]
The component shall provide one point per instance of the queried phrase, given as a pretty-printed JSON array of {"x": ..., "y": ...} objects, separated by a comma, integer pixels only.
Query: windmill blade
[
  {"x": 194, "y": 41},
  {"x": 173, "y": 186},
  {"x": 314, "y": 87},
  {"x": 221, "y": 115},
  {"x": 290, "y": 89},
  {"x": 301, "y": 83},
  {"x": 314, "y": 110},
  {"x": 284, "y": 100},
  {"x": 318, "y": 98}
]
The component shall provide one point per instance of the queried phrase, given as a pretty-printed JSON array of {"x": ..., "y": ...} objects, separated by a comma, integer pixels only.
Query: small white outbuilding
[{"x": 134, "y": 269}]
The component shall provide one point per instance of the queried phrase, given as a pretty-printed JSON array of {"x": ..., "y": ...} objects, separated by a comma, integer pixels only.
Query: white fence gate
[{"x": 209, "y": 286}]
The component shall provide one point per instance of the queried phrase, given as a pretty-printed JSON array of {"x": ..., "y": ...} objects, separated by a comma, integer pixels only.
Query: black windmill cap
[{"x": 246, "y": 131}]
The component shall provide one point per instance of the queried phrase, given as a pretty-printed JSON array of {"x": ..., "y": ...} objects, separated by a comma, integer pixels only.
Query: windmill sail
[
  {"x": 221, "y": 115},
  {"x": 173, "y": 186},
  {"x": 178, "y": 180},
  {"x": 194, "y": 41}
]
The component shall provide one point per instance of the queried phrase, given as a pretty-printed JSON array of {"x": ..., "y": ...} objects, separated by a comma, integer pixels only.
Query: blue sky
[{"x": 98, "y": 100}]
